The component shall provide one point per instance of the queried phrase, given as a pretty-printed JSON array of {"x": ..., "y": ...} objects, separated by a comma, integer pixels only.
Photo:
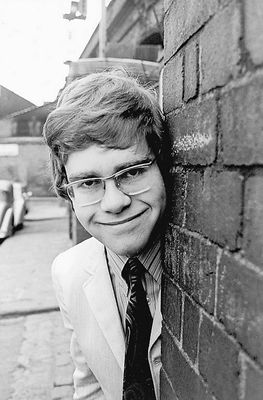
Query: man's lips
[{"x": 122, "y": 221}]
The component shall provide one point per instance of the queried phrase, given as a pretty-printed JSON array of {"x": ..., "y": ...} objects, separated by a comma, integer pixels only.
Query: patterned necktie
[{"x": 137, "y": 381}]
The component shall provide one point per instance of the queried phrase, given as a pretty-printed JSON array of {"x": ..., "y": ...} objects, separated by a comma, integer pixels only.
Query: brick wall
[{"x": 212, "y": 299}]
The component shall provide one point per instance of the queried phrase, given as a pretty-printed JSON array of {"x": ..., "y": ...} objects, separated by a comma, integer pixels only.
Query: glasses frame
[{"x": 113, "y": 176}]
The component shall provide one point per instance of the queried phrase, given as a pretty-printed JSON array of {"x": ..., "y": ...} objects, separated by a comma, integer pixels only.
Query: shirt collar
[{"x": 151, "y": 260}]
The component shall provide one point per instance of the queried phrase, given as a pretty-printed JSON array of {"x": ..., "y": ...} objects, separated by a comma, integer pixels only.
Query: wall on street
[
  {"x": 212, "y": 299},
  {"x": 26, "y": 160}
]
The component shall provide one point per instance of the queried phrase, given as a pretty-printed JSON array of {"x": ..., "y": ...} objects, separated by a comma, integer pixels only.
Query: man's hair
[{"x": 110, "y": 109}]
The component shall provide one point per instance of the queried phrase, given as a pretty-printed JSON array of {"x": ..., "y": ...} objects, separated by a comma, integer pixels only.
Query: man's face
[{"x": 123, "y": 223}]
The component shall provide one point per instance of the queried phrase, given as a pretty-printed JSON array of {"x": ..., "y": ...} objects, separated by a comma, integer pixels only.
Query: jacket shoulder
[
  {"x": 82, "y": 256},
  {"x": 88, "y": 247}
]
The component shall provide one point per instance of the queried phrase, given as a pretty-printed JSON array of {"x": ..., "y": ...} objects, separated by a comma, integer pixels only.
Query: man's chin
[{"x": 128, "y": 249}]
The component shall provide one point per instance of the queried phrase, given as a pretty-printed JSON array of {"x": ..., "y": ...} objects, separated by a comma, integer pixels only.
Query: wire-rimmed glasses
[{"x": 131, "y": 181}]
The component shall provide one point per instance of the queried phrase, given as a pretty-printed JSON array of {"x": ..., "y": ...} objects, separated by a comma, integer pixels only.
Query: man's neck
[{"x": 150, "y": 257}]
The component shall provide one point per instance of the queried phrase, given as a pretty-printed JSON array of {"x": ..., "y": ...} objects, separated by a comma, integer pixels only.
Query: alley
[{"x": 34, "y": 356}]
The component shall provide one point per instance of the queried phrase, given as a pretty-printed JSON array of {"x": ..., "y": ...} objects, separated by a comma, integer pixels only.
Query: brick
[
  {"x": 194, "y": 201},
  {"x": 222, "y": 206},
  {"x": 182, "y": 20},
  {"x": 167, "y": 392},
  {"x": 173, "y": 254},
  {"x": 194, "y": 133},
  {"x": 219, "y": 43},
  {"x": 172, "y": 307},
  {"x": 192, "y": 264},
  {"x": 199, "y": 271},
  {"x": 240, "y": 304},
  {"x": 242, "y": 124},
  {"x": 186, "y": 383},
  {"x": 218, "y": 361},
  {"x": 253, "y": 220},
  {"x": 213, "y": 205},
  {"x": 190, "y": 70},
  {"x": 178, "y": 196},
  {"x": 173, "y": 83},
  {"x": 253, "y": 29},
  {"x": 190, "y": 329},
  {"x": 254, "y": 383}
]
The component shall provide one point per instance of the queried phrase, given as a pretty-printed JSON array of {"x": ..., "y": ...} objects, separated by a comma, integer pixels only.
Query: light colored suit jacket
[{"x": 87, "y": 302}]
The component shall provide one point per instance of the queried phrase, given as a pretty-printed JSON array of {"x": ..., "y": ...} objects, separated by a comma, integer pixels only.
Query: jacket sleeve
[{"x": 86, "y": 386}]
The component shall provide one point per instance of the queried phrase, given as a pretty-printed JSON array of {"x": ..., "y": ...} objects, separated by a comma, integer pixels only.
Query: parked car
[
  {"x": 13, "y": 207},
  {"x": 20, "y": 204},
  {"x": 6, "y": 209}
]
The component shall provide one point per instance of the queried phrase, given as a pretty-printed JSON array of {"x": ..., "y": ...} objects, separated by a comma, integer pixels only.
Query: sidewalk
[{"x": 34, "y": 346}]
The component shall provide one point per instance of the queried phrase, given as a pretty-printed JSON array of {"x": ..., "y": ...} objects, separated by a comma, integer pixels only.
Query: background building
[
  {"x": 11, "y": 102},
  {"x": 134, "y": 30},
  {"x": 23, "y": 155},
  {"x": 133, "y": 38}
]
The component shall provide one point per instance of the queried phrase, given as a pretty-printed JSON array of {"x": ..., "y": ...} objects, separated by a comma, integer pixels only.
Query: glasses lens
[
  {"x": 134, "y": 180},
  {"x": 86, "y": 191},
  {"x": 131, "y": 181}
]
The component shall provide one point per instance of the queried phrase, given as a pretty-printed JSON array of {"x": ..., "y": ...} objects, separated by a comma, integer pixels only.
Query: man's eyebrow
[
  {"x": 81, "y": 175},
  {"x": 96, "y": 174},
  {"x": 132, "y": 163}
]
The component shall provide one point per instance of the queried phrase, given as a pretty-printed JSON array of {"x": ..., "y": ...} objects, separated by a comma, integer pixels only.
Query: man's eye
[
  {"x": 133, "y": 173},
  {"x": 91, "y": 183}
]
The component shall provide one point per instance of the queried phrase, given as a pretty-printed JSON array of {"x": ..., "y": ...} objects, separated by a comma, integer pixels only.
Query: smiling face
[{"x": 125, "y": 224}]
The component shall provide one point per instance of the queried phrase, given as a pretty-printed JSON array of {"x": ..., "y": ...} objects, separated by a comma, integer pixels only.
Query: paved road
[{"x": 34, "y": 358}]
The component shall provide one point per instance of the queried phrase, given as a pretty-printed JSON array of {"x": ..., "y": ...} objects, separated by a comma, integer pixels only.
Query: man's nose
[{"x": 114, "y": 200}]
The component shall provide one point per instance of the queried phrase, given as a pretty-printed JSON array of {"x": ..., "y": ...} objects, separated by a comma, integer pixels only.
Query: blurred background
[{"x": 44, "y": 45}]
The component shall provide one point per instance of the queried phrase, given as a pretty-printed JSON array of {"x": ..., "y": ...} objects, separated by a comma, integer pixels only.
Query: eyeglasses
[{"x": 131, "y": 181}]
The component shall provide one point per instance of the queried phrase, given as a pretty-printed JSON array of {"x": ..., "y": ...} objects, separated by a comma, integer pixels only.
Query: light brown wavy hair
[{"x": 110, "y": 109}]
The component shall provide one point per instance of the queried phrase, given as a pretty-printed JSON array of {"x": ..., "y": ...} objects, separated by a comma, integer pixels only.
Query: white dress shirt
[{"x": 151, "y": 260}]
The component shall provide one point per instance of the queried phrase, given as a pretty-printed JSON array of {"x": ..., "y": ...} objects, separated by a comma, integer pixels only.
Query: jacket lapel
[
  {"x": 157, "y": 323},
  {"x": 99, "y": 292}
]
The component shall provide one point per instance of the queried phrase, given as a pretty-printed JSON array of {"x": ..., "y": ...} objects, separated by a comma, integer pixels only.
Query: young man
[{"x": 107, "y": 144}]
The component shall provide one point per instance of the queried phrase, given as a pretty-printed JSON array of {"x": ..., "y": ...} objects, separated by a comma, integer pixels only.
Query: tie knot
[{"x": 132, "y": 270}]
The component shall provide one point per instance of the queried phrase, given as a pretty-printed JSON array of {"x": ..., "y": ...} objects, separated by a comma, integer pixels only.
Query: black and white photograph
[{"x": 131, "y": 200}]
